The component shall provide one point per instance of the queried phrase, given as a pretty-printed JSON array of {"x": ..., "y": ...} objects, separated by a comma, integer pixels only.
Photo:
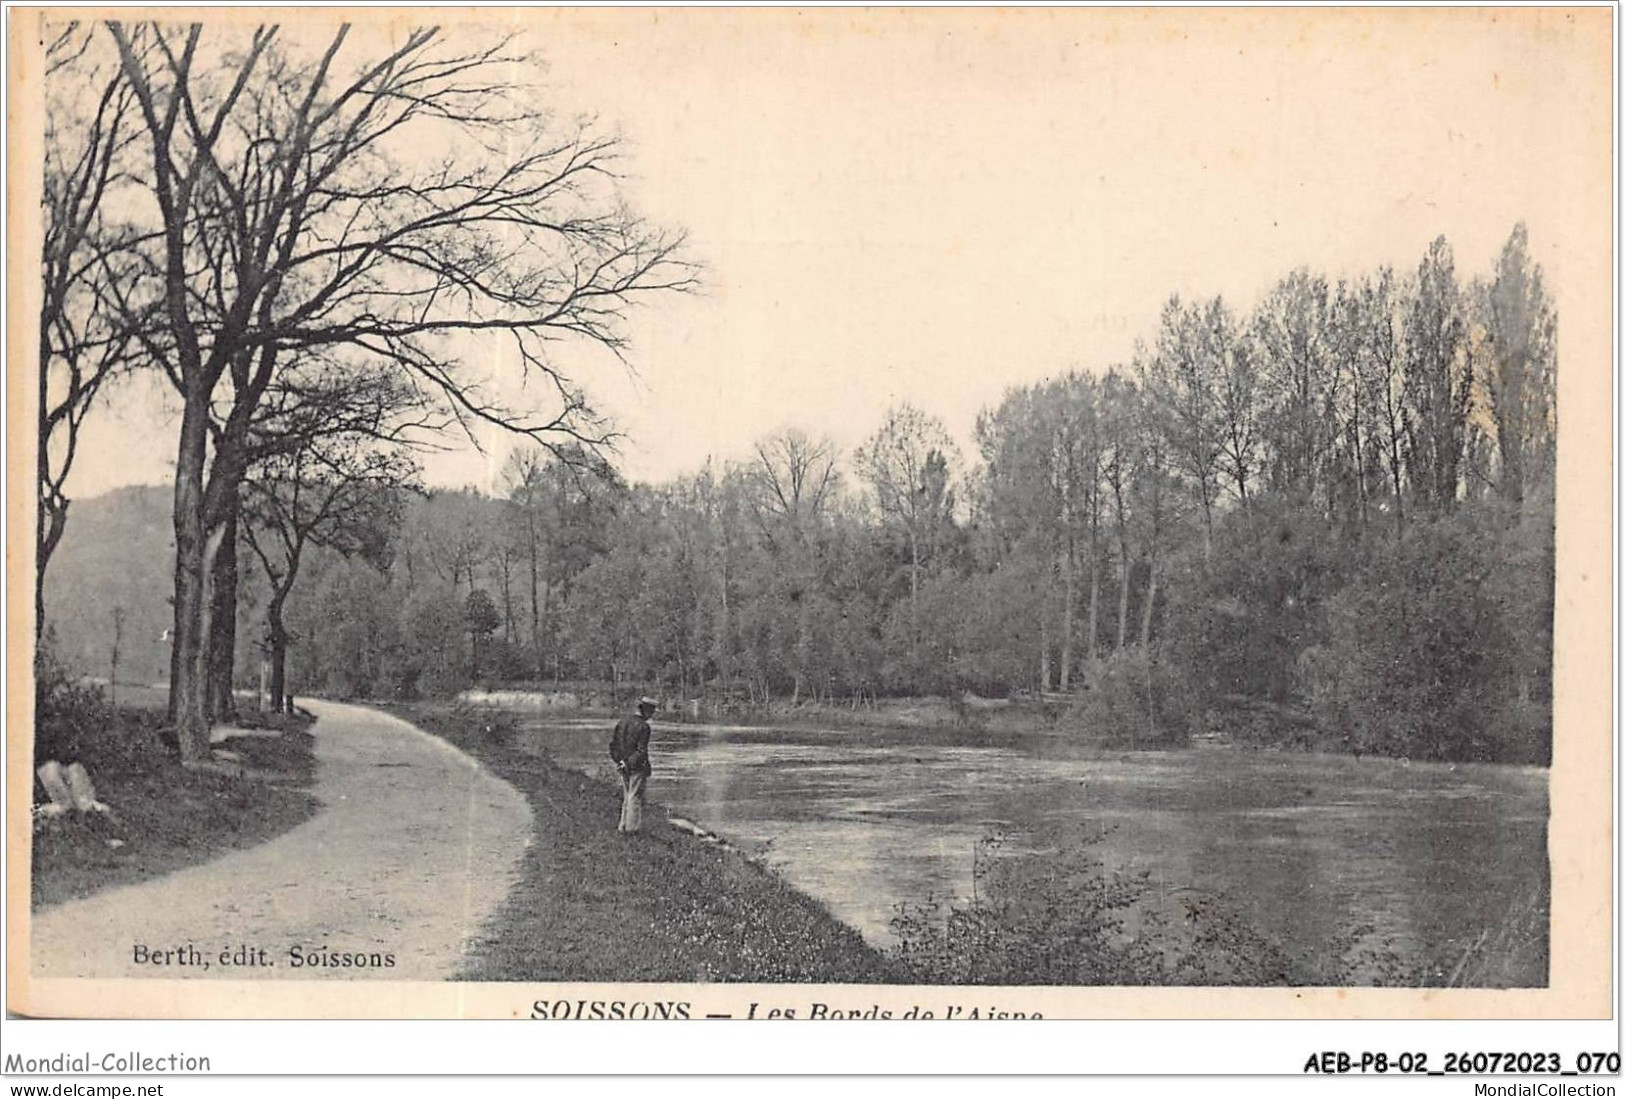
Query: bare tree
[
  {"x": 792, "y": 481},
  {"x": 318, "y": 400},
  {"x": 296, "y": 212},
  {"x": 452, "y": 537},
  {"x": 1153, "y": 483},
  {"x": 1237, "y": 393},
  {"x": 1075, "y": 455},
  {"x": 523, "y": 481},
  {"x": 1439, "y": 371},
  {"x": 1120, "y": 436},
  {"x": 1300, "y": 384},
  {"x": 83, "y": 344},
  {"x": 1353, "y": 450},
  {"x": 1381, "y": 366},
  {"x": 793, "y": 478},
  {"x": 1180, "y": 379}
]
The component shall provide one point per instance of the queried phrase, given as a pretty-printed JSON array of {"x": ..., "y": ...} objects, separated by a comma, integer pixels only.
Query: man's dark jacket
[{"x": 630, "y": 744}]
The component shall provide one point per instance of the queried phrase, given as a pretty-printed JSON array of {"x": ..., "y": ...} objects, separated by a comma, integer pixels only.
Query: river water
[{"x": 1305, "y": 846}]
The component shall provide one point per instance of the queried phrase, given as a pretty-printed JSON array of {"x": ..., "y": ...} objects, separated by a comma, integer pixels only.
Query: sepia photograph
[{"x": 816, "y": 514}]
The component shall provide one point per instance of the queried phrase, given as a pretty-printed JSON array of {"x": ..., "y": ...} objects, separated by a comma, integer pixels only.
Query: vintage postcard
[{"x": 839, "y": 513}]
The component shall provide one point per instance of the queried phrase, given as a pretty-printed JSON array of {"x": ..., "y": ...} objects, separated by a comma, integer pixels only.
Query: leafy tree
[
  {"x": 483, "y": 618},
  {"x": 1229, "y": 492},
  {"x": 435, "y": 634},
  {"x": 1239, "y": 624},
  {"x": 341, "y": 494},
  {"x": 906, "y": 463},
  {"x": 563, "y": 503},
  {"x": 1420, "y": 657},
  {"x": 1522, "y": 339},
  {"x": 601, "y": 611}
]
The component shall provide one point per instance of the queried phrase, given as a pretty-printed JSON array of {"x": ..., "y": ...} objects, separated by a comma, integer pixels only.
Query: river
[{"x": 1306, "y": 846}]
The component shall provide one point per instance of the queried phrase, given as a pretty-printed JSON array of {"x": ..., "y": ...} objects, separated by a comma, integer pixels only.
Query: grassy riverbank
[
  {"x": 592, "y": 905},
  {"x": 162, "y": 816},
  {"x": 996, "y": 716}
]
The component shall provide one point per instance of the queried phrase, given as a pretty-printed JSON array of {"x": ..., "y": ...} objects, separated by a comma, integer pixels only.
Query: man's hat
[{"x": 649, "y": 702}]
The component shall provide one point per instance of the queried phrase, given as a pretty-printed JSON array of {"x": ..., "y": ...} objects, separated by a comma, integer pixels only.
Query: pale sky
[{"x": 934, "y": 205}]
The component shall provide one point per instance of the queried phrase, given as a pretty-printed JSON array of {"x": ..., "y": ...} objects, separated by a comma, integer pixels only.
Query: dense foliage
[{"x": 1329, "y": 523}]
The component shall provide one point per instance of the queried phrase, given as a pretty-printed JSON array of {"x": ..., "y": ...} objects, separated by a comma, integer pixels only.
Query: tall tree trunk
[
  {"x": 535, "y": 597},
  {"x": 189, "y": 658},
  {"x": 1094, "y": 593},
  {"x": 204, "y": 666},
  {"x": 52, "y": 522},
  {"x": 53, "y": 510},
  {"x": 277, "y": 636},
  {"x": 1122, "y": 591},
  {"x": 1512, "y": 478},
  {"x": 1365, "y": 500},
  {"x": 914, "y": 607},
  {"x": 1399, "y": 497},
  {"x": 45, "y": 518},
  {"x": 541, "y": 625},
  {"x": 222, "y": 507},
  {"x": 507, "y": 596},
  {"x": 223, "y": 616},
  {"x": 1044, "y": 681},
  {"x": 725, "y": 664},
  {"x": 1150, "y": 600},
  {"x": 803, "y": 639},
  {"x": 1361, "y": 481},
  {"x": 1069, "y": 603}
]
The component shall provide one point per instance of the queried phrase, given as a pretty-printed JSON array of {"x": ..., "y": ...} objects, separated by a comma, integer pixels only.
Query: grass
[
  {"x": 163, "y": 817},
  {"x": 592, "y": 905},
  {"x": 1505, "y": 955}
]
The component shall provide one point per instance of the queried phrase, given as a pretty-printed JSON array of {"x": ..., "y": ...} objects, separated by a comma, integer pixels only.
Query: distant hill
[{"x": 118, "y": 551}]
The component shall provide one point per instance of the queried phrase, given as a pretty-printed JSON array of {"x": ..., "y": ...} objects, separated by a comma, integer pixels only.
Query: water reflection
[{"x": 1307, "y": 847}]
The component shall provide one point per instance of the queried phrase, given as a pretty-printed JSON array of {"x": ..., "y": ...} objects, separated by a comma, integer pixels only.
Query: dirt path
[{"x": 412, "y": 849}]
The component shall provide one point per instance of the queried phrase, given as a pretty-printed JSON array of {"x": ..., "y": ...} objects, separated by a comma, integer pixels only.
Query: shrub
[
  {"x": 1035, "y": 919},
  {"x": 75, "y": 723},
  {"x": 1062, "y": 916},
  {"x": 1422, "y": 658},
  {"x": 66, "y": 712},
  {"x": 1132, "y": 698}
]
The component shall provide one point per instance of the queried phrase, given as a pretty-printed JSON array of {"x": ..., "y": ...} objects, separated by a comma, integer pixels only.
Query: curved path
[{"x": 412, "y": 848}]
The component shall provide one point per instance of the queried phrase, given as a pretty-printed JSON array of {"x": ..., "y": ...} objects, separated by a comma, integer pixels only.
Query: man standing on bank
[{"x": 629, "y": 748}]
